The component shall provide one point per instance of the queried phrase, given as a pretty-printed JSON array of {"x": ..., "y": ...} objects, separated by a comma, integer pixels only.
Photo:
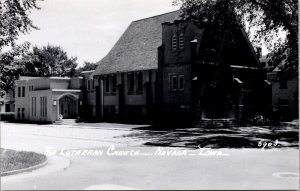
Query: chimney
[{"x": 258, "y": 52}]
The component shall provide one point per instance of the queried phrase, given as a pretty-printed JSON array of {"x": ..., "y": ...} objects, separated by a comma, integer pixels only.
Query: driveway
[{"x": 107, "y": 156}]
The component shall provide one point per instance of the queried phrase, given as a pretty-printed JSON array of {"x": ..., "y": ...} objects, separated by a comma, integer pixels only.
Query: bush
[{"x": 7, "y": 116}]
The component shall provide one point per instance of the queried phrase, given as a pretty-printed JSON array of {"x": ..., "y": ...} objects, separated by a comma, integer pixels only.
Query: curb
[{"x": 25, "y": 169}]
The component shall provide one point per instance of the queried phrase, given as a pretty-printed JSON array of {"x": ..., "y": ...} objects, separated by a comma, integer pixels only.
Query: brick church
[
  {"x": 169, "y": 68},
  {"x": 162, "y": 68}
]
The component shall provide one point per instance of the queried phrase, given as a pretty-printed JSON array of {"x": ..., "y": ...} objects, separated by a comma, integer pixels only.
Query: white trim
[
  {"x": 65, "y": 94},
  {"x": 89, "y": 71},
  {"x": 65, "y": 90},
  {"x": 247, "y": 67}
]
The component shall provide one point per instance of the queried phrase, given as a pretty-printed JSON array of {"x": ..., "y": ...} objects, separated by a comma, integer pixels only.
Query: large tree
[
  {"x": 14, "y": 20},
  {"x": 265, "y": 20},
  {"x": 48, "y": 61}
]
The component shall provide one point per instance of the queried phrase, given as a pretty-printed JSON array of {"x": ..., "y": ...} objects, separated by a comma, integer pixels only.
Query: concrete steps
[
  {"x": 216, "y": 123},
  {"x": 65, "y": 122}
]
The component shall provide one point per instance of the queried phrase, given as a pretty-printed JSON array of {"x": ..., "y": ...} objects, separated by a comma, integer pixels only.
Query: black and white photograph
[{"x": 149, "y": 95}]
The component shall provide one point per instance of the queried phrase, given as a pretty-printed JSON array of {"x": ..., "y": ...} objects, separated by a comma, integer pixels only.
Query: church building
[{"x": 160, "y": 68}]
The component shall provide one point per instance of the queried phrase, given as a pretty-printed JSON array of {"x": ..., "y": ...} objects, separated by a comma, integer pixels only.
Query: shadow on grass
[{"x": 235, "y": 137}]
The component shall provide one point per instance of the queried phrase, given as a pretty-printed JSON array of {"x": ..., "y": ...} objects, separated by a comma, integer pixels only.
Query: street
[{"x": 103, "y": 157}]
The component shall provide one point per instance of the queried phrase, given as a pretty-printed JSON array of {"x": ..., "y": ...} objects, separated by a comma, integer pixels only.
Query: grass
[{"x": 14, "y": 160}]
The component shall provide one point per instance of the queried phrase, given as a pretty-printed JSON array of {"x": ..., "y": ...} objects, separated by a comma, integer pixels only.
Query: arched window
[
  {"x": 174, "y": 42},
  {"x": 181, "y": 41}
]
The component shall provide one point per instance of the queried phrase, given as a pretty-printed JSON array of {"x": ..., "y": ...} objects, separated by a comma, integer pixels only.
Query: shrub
[{"x": 7, "y": 116}]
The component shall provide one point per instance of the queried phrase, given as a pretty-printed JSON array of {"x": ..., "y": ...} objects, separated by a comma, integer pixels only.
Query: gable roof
[{"x": 137, "y": 48}]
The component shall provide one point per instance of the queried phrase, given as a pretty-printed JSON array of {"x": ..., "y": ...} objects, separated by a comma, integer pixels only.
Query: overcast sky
[{"x": 88, "y": 29}]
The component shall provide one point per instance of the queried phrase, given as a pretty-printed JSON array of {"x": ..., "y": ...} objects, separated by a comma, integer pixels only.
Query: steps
[
  {"x": 65, "y": 122},
  {"x": 217, "y": 123}
]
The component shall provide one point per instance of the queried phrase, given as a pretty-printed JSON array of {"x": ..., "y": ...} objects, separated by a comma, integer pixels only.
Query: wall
[
  {"x": 179, "y": 98},
  {"x": 190, "y": 31},
  {"x": 57, "y": 83},
  {"x": 22, "y": 102},
  {"x": 178, "y": 62},
  {"x": 37, "y": 114},
  {"x": 290, "y": 93}
]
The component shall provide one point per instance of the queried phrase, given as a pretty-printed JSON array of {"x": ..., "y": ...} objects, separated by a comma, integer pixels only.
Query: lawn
[{"x": 14, "y": 160}]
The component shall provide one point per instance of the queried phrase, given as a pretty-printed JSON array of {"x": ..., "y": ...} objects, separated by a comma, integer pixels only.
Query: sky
[{"x": 88, "y": 29}]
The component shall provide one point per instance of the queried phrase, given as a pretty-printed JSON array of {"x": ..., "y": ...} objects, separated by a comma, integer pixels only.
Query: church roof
[{"x": 137, "y": 48}]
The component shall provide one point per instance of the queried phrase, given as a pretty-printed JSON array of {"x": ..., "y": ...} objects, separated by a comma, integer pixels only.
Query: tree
[
  {"x": 48, "y": 61},
  {"x": 14, "y": 20},
  {"x": 266, "y": 18},
  {"x": 86, "y": 67},
  {"x": 10, "y": 67}
]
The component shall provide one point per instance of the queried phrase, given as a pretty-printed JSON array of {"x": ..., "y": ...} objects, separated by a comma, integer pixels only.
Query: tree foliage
[
  {"x": 48, "y": 61},
  {"x": 268, "y": 19},
  {"x": 14, "y": 20},
  {"x": 86, "y": 67},
  {"x": 10, "y": 69}
]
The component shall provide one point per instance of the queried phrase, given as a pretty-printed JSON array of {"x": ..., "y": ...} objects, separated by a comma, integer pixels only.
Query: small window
[
  {"x": 283, "y": 102},
  {"x": 32, "y": 105},
  {"x": 93, "y": 83},
  {"x": 283, "y": 83},
  {"x": 23, "y": 91},
  {"x": 130, "y": 81},
  {"x": 173, "y": 82},
  {"x": 19, "y": 91},
  {"x": 181, "y": 41},
  {"x": 13, "y": 93},
  {"x": 19, "y": 112},
  {"x": 107, "y": 89},
  {"x": 140, "y": 82},
  {"x": 180, "y": 82},
  {"x": 114, "y": 83},
  {"x": 88, "y": 85},
  {"x": 174, "y": 42},
  {"x": 23, "y": 112}
]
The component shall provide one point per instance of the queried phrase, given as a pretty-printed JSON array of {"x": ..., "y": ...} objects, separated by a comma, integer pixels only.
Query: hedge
[{"x": 7, "y": 116}]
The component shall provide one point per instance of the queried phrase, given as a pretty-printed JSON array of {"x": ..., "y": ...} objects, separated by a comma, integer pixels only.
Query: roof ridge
[{"x": 156, "y": 16}]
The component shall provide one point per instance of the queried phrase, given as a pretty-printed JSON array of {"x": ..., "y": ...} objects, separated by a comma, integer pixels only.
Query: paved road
[{"x": 151, "y": 169}]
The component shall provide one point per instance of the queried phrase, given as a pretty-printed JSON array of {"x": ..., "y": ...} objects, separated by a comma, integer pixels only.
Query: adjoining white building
[{"x": 47, "y": 99}]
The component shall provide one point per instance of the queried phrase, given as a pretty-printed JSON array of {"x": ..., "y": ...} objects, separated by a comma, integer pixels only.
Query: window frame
[
  {"x": 139, "y": 82},
  {"x": 180, "y": 76},
  {"x": 107, "y": 84},
  {"x": 113, "y": 83},
  {"x": 23, "y": 91},
  {"x": 131, "y": 83},
  {"x": 19, "y": 112},
  {"x": 174, "y": 42},
  {"x": 23, "y": 112},
  {"x": 173, "y": 84},
  {"x": 181, "y": 41}
]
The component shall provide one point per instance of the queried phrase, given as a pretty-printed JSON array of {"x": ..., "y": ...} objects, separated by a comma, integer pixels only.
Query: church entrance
[{"x": 68, "y": 107}]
